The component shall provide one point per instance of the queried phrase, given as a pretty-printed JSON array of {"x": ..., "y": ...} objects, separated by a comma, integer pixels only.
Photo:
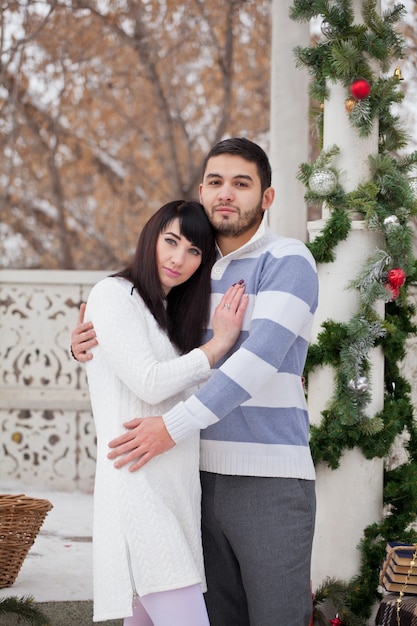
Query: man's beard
[{"x": 229, "y": 226}]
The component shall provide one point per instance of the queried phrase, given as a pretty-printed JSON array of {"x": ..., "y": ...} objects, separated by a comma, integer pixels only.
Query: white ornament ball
[
  {"x": 361, "y": 384},
  {"x": 391, "y": 222},
  {"x": 322, "y": 182},
  {"x": 413, "y": 186},
  {"x": 326, "y": 29}
]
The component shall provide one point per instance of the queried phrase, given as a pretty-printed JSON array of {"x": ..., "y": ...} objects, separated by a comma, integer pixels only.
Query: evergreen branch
[
  {"x": 25, "y": 608},
  {"x": 369, "y": 283},
  {"x": 335, "y": 230},
  {"x": 362, "y": 117},
  {"x": 337, "y": 592}
]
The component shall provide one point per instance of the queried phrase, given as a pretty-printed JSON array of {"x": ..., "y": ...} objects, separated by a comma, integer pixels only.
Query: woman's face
[{"x": 177, "y": 258}]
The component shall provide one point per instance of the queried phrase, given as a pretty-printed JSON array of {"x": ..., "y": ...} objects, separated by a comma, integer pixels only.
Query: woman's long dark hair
[{"x": 185, "y": 312}]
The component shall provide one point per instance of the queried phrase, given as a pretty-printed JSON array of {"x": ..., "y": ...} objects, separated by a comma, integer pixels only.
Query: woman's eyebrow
[{"x": 168, "y": 232}]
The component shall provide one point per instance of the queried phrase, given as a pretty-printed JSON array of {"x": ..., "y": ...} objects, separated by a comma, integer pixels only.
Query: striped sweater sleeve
[{"x": 282, "y": 305}]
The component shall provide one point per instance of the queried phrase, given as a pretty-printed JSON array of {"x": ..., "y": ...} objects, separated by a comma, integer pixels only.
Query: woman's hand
[{"x": 227, "y": 322}]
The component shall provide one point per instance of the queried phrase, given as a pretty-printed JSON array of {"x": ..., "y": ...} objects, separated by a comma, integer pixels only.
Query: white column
[
  {"x": 349, "y": 498},
  {"x": 289, "y": 123}
]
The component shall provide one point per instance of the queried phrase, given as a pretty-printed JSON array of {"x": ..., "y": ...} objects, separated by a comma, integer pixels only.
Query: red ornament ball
[
  {"x": 396, "y": 277},
  {"x": 336, "y": 622},
  {"x": 360, "y": 89}
]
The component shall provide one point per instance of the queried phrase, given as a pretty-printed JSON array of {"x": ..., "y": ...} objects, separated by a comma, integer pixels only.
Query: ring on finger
[{"x": 227, "y": 306}]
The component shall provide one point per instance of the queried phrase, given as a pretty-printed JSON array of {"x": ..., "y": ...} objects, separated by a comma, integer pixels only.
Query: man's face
[{"x": 232, "y": 197}]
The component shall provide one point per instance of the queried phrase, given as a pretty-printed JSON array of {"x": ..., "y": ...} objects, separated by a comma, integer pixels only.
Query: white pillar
[
  {"x": 289, "y": 123},
  {"x": 349, "y": 498}
]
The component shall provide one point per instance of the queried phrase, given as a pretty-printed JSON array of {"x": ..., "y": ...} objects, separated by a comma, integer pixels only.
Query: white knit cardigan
[{"x": 146, "y": 535}]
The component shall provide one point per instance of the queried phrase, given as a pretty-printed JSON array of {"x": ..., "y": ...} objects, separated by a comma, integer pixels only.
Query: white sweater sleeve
[{"x": 121, "y": 323}]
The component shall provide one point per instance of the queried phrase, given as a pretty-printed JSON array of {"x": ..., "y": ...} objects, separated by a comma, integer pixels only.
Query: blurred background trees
[{"x": 107, "y": 109}]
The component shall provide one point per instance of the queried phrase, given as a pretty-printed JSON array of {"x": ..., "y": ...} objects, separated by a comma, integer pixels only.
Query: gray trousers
[{"x": 257, "y": 539}]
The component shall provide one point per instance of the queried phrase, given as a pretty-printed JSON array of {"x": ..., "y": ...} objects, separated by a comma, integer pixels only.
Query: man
[{"x": 258, "y": 505}]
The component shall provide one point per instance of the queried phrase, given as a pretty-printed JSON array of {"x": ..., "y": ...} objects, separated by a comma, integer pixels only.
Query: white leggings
[{"x": 176, "y": 607}]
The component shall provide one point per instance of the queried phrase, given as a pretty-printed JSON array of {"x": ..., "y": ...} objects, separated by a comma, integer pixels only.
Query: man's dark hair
[{"x": 248, "y": 150}]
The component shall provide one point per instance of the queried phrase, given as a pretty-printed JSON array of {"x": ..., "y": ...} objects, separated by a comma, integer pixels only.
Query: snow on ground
[{"x": 58, "y": 567}]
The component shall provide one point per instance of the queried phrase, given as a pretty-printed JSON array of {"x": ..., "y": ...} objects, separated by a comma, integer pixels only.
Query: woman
[{"x": 148, "y": 564}]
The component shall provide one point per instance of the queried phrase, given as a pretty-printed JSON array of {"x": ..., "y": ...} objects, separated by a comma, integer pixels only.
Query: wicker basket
[{"x": 20, "y": 520}]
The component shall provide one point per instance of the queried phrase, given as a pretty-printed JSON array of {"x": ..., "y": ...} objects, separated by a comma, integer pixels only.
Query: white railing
[{"x": 47, "y": 430}]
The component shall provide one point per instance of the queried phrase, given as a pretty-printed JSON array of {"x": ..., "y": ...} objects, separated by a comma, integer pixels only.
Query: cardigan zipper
[{"x": 132, "y": 580}]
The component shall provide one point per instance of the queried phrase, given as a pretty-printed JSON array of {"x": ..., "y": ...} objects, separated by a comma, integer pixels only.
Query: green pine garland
[{"x": 345, "y": 52}]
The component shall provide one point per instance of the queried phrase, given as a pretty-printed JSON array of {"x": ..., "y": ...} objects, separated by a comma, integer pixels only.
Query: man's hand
[
  {"x": 83, "y": 338},
  {"x": 145, "y": 438}
]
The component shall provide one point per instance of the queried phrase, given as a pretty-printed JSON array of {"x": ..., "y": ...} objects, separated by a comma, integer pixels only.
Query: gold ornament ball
[{"x": 350, "y": 104}]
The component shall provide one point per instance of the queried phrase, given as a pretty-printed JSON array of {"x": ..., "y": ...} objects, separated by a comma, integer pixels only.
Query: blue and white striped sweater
[{"x": 252, "y": 410}]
